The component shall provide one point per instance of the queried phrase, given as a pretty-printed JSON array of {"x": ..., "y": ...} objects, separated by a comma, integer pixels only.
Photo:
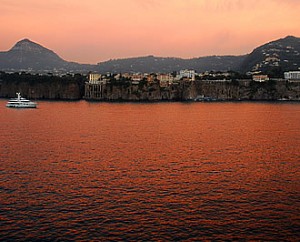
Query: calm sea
[{"x": 147, "y": 172}]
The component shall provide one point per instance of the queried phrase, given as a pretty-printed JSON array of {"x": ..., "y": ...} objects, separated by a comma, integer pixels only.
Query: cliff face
[
  {"x": 249, "y": 90},
  {"x": 73, "y": 88},
  {"x": 140, "y": 92},
  {"x": 69, "y": 91},
  {"x": 197, "y": 90},
  {"x": 41, "y": 87}
]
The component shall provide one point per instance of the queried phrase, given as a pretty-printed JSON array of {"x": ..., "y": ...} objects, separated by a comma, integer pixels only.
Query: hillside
[
  {"x": 27, "y": 55},
  {"x": 276, "y": 56},
  {"x": 272, "y": 58},
  {"x": 161, "y": 64}
]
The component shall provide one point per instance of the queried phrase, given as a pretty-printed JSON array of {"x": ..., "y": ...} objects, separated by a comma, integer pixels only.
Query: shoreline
[{"x": 161, "y": 101}]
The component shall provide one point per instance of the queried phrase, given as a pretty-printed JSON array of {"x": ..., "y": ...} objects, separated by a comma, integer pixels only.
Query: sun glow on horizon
[{"x": 98, "y": 30}]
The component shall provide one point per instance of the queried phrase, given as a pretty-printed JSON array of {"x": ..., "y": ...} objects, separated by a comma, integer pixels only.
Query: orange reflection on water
[{"x": 151, "y": 171}]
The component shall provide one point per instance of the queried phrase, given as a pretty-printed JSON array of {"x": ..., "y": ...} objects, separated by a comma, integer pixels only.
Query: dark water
[{"x": 168, "y": 172}]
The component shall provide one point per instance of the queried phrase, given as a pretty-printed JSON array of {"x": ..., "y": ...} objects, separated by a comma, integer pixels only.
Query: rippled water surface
[{"x": 166, "y": 171}]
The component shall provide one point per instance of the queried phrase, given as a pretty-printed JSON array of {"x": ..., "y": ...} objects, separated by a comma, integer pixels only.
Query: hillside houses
[{"x": 189, "y": 85}]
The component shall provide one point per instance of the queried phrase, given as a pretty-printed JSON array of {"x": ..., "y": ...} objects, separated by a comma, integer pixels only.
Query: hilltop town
[{"x": 187, "y": 85}]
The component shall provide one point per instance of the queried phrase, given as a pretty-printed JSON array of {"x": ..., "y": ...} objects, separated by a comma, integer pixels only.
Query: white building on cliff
[{"x": 292, "y": 75}]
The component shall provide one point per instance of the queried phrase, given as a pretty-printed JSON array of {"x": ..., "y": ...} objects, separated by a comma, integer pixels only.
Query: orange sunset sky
[{"x": 89, "y": 31}]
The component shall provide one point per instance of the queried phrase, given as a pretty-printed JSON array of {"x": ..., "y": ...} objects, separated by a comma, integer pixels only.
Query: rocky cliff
[
  {"x": 73, "y": 88},
  {"x": 204, "y": 90},
  {"x": 41, "y": 87}
]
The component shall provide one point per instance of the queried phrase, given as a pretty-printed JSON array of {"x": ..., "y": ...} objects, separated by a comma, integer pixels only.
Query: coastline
[
  {"x": 161, "y": 101},
  {"x": 76, "y": 88}
]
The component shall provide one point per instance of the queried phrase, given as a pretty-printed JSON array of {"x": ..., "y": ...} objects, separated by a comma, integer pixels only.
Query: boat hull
[
  {"x": 21, "y": 105},
  {"x": 20, "y": 102}
]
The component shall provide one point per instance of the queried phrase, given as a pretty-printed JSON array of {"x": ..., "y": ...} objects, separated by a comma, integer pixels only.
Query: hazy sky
[{"x": 89, "y": 31}]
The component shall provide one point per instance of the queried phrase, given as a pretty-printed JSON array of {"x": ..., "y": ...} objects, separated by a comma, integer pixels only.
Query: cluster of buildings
[
  {"x": 292, "y": 75},
  {"x": 136, "y": 78},
  {"x": 183, "y": 75},
  {"x": 168, "y": 86},
  {"x": 96, "y": 87}
]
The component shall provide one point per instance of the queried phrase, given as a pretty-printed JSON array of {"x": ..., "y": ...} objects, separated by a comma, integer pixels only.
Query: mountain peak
[
  {"x": 26, "y": 45},
  {"x": 28, "y": 55},
  {"x": 25, "y": 40},
  {"x": 287, "y": 40},
  {"x": 290, "y": 37}
]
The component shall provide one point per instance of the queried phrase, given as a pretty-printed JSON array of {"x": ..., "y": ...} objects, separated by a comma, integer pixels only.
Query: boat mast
[{"x": 19, "y": 96}]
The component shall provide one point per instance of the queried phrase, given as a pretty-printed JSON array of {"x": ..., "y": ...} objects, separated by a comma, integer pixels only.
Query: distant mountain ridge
[
  {"x": 280, "y": 55},
  {"x": 166, "y": 65},
  {"x": 28, "y": 55}
]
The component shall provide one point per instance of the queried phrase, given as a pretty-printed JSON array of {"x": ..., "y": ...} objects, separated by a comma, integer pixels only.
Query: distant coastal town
[
  {"x": 270, "y": 72},
  {"x": 184, "y": 85},
  {"x": 187, "y": 85}
]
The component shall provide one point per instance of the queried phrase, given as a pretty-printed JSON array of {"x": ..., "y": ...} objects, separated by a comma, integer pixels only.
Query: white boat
[{"x": 20, "y": 102}]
